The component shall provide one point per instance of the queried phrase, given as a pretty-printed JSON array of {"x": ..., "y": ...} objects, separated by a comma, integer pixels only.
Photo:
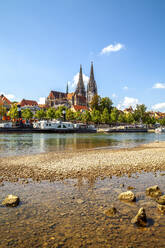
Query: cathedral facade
[{"x": 81, "y": 96}]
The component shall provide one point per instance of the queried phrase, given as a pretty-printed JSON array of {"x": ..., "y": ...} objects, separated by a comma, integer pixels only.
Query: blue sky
[{"x": 43, "y": 43}]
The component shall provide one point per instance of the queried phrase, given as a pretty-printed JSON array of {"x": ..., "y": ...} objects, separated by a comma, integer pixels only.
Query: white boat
[
  {"x": 60, "y": 126},
  {"x": 6, "y": 125},
  {"x": 85, "y": 126},
  {"x": 160, "y": 130},
  {"x": 48, "y": 125}
]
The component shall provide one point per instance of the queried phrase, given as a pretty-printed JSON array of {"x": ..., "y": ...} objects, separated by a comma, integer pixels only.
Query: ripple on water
[{"x": 32, "y": 143}]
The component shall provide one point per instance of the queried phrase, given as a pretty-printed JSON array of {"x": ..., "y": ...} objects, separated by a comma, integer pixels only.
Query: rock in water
[
  {"x": 110, "y": 212},
  {"x": 153, "y": 191},
  {"x": 161, "y": 208},
  {"x": 11, "y": 201},
  {"x": 140, "y": 219},
  {"x": 161, "y": 200},
  {"x": 127, "y": 196}
]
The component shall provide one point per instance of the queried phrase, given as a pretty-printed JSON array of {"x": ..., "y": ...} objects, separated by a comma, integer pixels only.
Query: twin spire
[
  {"x": 80, "y": 89},
  {"x": 91, "y": 86}
]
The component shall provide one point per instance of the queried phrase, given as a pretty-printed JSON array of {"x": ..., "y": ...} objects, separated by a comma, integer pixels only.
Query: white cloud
[
  {"x": 41, "y": 100},
  {"x": 112, "y": 48},
  {"x": 159, "y": 86},
  {"x": 76, "y": 78},
  {"x": 127, "y": 102},
  {"x": 114, "y": 95},
  {"x": 159, "y": 106},
  {"x": 125, "y": 88}
]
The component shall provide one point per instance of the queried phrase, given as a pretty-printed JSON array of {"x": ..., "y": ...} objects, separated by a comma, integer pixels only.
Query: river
[{"x": 19, "y": 144}]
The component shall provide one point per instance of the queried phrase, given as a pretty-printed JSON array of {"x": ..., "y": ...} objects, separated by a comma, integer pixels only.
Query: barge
[{"x": 49, "y": 127}]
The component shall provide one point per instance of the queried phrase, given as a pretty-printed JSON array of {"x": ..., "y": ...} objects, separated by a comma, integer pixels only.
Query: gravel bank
[{"x": 88, "y": 163}]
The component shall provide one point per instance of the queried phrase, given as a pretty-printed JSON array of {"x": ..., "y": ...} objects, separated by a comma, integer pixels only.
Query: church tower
[
  {"x": 80, "y": 90},
  {"x": 91, "y": 87}
]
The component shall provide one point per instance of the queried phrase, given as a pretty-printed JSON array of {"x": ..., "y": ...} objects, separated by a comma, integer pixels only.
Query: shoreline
[{"x": 93, "y": 163}]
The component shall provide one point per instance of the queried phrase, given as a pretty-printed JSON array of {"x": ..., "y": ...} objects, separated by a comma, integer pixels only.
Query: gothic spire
[
  {"x": 67, "y": 88},
  {"x": 91, "y": 87},
  {"x": 92, "y": 73},
  {"x": 80, "y": 89}
]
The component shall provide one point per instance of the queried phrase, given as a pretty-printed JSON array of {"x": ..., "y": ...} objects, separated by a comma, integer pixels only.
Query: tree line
[{"x": 101, "y": 111}]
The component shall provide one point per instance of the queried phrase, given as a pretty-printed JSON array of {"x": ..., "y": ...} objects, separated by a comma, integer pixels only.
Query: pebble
[
  {"x": 153, "y": 191},
  {"x": 141, "y": 218},
  {"x": 127, "y": 196},
  {"x": 11, "y": 201}
]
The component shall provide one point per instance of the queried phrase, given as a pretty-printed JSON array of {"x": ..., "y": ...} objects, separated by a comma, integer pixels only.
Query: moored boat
[
  {"x": 53, "y": 125},
  {"x": 160, "y": 130}
]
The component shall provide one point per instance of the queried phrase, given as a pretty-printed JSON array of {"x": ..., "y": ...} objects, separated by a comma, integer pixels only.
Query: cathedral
[{"x": 80, "y": 99}]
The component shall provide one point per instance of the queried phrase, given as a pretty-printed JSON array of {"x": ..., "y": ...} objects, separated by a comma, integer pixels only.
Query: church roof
[{"x": 57, "y": 94}]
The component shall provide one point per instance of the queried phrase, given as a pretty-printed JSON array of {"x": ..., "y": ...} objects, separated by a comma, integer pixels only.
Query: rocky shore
[{"x": 104, "y": 162}]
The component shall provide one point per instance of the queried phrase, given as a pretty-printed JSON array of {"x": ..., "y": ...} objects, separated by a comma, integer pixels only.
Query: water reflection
[{"x": 18, "y": 144}]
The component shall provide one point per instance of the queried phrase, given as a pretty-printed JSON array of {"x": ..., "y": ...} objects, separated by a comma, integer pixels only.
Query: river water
[
  {"x": 19, "y": 144},
  {"x": 72, "y": 213}
]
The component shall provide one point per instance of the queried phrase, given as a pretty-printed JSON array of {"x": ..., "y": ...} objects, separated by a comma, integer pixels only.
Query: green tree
[
  {"x": 69, "y": 115},
  {"x": 107, "y": 103},
  {"x": 149, "y": 119},
  {"x": 140, "y": 113},
  {"x": 122, "y": 118},
  {"x": 130, "y": 118},
  {"x": 86, "y": 117},
  {"x": 78, "y": 116},
  {"x": 96, "y": 116},
  {"x": 40, "y": 114},
  {"x": 2, "y": 111},
  {"x": 51, "y": 113},
  {"x": 162, "y": 122},
  {"x": 27, "y": 114},
  {"x": 13, "y": 112},
  {"x": 95, "y": 102},
  {"x": 105, "y": 116},
  {"x": 114, "y": 115},
  {"x": 59, "y": 112}
]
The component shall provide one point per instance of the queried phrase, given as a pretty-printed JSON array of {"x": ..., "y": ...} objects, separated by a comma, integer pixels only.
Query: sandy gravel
[{"x": 60, "y": 165}]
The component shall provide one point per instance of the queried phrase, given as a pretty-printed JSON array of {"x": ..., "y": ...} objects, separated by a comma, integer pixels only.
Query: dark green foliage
[{"x": 27, "y": 114}]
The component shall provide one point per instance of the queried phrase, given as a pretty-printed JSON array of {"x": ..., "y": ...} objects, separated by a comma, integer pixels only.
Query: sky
[{"x": 43, "y": 43}]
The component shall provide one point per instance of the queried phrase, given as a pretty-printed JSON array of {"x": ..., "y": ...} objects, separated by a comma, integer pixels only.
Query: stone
[
  {"x": 127, "y": 196},
  {"x": 140, "y": 219},
  {"x": 161, "y": 200},
  {"x": 153, "y": 191},
  {"x": 130, "y": 187},
  {"x": 80, "y": 201},
  {"x": 161, "y": 208},
  {"x": 11, "y": 201},
  {"x": 111, "y": 211}
]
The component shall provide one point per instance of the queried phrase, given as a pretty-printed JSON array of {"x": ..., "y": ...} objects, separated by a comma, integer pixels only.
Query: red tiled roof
[
  {"x": 28, "y": 103},
  {"x": 79, "y": 107},
  {"x": 4, "y": 99}
]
